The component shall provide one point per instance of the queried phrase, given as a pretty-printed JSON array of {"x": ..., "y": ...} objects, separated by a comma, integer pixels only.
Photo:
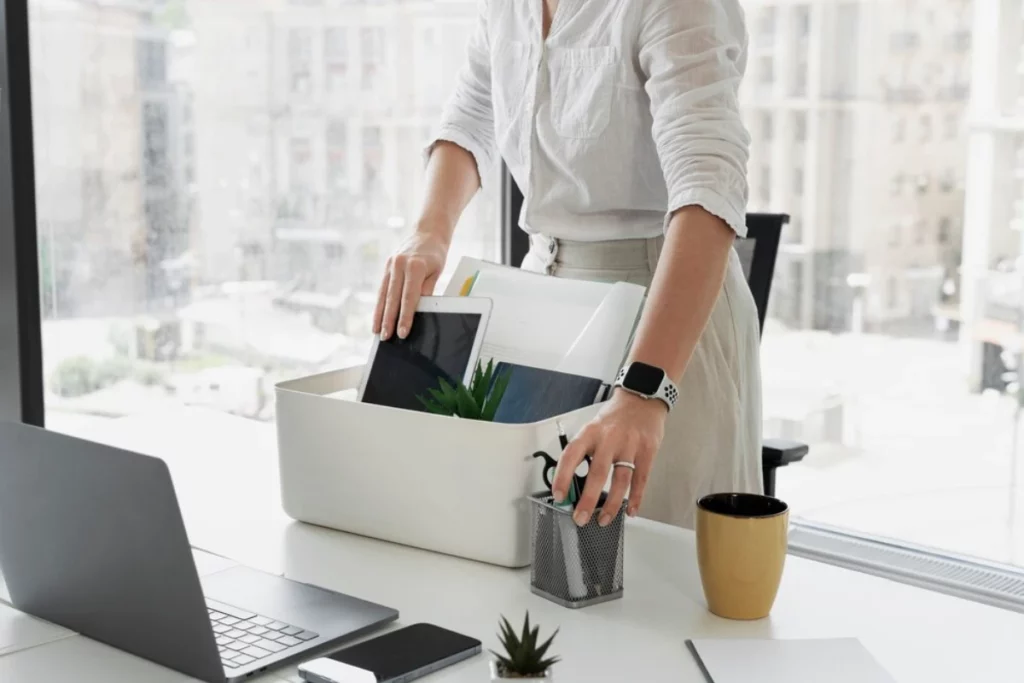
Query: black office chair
[{"x": 758, "y": 253}]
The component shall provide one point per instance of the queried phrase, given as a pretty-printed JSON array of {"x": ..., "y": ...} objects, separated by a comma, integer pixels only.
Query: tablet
[{"x": 444, "y": 343}]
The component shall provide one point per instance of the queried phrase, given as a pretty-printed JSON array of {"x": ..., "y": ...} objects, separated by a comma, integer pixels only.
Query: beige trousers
[{"x": 713, "y": 435}]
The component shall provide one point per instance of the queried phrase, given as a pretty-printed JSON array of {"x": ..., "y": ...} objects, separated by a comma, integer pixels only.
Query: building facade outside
[{"x": 831, "y": 85}]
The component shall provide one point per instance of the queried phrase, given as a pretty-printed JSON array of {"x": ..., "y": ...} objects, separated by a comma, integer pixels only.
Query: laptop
[{"x": 92, "y": 538}]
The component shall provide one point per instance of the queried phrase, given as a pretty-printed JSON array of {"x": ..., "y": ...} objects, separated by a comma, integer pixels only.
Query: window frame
[{"x": 21, "y": 333}]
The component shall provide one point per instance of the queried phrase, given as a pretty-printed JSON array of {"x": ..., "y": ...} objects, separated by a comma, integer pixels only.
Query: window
[
  {"x": 336, "y": 58},
  {"x": 337, "y": 156},
  {"x": 896, "y": 185},
  {"x": 152, "y": 62},
  {"x": 372, "y": 40},
  {"x": 803, "y": 20},
  {"x": 300, "y": 164},
  {"x": 766, "y": 21},
  {"x": 871, "y": 202},
  {"x": 798, "y": 86},
  {"x": 892, "y": 292},
  {"x": 952, "y": 125},
  {"x": 945, "y": 228},
  {"x": 189, "y": 162},
  {"x": 947, "y": 182},
  {"x": 767, "y": 127},
  {"x": 373, "y": 160},
  {"x": 766, "y": 71},
  {"x": 300, "y": 60},
  {"x": 926, "y": 128},
  {"x": 901, "y": 41},
  {"x": 151, "y": 220},
  {"x": 899, "y": 130},
  {"x": 800, "y": 126}
]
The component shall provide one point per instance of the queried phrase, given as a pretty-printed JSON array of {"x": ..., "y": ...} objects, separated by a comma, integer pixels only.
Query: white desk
[{"x": 229, "y": 493}]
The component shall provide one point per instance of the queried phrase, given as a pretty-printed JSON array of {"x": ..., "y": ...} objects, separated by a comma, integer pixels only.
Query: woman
[{"x": 619, "y": 120}]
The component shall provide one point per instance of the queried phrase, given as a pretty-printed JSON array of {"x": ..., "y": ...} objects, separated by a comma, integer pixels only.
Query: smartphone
[{"x": 396, "y": 657}]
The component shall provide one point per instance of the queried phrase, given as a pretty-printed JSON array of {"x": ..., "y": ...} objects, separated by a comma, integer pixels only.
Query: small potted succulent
[
  {"x": 478, "y": 402},
  {"x": 523, "y": 658}
]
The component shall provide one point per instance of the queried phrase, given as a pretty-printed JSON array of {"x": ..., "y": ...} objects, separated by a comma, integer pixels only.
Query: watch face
[{"x": 643, "y": 378}]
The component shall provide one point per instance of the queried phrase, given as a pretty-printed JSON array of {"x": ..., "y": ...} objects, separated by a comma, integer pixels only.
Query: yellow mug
[{"x": 741, "y": 550}]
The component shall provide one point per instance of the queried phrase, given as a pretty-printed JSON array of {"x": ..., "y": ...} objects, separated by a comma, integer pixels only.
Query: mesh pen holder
[{"x": 574, "y": 566}]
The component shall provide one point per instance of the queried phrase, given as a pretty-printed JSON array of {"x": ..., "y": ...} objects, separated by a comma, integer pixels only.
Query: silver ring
[{"x": 623, "y": 463}]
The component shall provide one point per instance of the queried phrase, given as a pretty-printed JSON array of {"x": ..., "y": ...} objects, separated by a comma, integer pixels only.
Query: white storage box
[{"x": 434, "y": 482}]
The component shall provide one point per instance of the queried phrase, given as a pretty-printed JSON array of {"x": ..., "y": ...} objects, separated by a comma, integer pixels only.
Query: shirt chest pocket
[{"x": 582, "y": 84}]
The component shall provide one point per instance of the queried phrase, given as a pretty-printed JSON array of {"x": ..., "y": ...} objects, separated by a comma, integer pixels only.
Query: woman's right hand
[{"x": 411, "y": 272}]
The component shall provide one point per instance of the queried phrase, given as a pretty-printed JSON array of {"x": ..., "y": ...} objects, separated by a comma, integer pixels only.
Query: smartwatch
[{"x": 647, "y": 381}]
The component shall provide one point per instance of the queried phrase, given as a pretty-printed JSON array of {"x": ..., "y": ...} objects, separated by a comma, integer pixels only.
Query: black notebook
[{"x": 534, "y": 394}]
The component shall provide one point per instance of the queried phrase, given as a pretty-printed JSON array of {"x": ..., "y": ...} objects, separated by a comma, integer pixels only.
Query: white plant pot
[{"x": 548, "y": 677}]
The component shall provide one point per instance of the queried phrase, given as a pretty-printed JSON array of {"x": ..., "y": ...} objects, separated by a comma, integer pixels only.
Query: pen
[
  {"x": 562, "y": 438},
  {"x": 574, "y": 494}
]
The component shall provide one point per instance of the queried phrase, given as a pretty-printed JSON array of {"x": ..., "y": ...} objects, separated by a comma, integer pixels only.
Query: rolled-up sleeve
[
  {"x": 693, "y": 54},
  {"x": 467, "y": 119}
]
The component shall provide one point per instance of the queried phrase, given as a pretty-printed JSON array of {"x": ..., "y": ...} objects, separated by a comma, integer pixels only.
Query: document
[
  {"x": 572, "y": 326},
  {"x": 599, "y": 349},
  {"x": 837, "y": 660}
]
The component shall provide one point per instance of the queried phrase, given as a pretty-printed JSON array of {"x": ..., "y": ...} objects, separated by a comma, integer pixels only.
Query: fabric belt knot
[{"x": 545, "y": 249}]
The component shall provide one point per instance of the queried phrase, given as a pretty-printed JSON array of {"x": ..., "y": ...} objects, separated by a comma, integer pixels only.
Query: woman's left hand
[{"x": 627, "y": 429}]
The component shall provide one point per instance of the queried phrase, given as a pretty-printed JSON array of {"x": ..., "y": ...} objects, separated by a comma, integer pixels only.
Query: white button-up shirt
[{"x": 626, "y": 113}]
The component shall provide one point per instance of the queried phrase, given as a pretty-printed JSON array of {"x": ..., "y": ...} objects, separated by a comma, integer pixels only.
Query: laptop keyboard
[{"x": 244, "y": 638}]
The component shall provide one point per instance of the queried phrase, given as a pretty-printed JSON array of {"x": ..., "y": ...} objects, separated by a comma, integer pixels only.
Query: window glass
[{"x": 217, "y": 192}]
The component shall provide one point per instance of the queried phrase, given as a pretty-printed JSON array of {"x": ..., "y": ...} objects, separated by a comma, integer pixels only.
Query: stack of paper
[
  {"x": 572, "y": 326},
  {"x": 840, "y": 660}
]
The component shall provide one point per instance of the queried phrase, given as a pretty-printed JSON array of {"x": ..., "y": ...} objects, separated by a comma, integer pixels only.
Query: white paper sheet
[
  {"x": 541, "y": 321},
  {"x": 837, "y": 660},
  {"x": 598, "y": 350}
]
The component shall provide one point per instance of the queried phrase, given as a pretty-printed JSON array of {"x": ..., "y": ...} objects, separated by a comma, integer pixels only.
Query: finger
[
  {"x": 644, "y": 462},
  {"x": 621, "y": 478},
  {"x": 382, "y": 295},
  {"x": 415, "y": 272},
  {"x": 394, "y": 297},
  {"x": 600, "y": 466},
  {"x": 428, "y": 285},
  {"x": 571, "y": 458}
]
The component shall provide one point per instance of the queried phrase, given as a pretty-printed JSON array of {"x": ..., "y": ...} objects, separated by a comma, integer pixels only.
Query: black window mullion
[{"x": 21, "y": 353}]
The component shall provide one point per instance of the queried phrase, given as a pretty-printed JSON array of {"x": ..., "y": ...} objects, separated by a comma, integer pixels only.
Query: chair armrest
[{"x": 781, "y": 452}]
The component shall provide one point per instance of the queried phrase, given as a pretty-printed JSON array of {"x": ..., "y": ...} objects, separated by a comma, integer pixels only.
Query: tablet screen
[{"x": 438, "y": 346}]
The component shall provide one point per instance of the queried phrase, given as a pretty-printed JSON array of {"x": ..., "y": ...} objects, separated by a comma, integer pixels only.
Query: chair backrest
[{"x": 758, "y": 252}]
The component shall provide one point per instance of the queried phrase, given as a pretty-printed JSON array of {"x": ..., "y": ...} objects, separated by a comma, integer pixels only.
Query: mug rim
[{"x": 711, "y": 497}]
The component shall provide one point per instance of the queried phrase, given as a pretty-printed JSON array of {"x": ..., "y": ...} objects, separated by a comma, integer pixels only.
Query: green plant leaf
[
  {"x": 523, "y": 657},
  {"x": 543, "y": 647},
  {"x": 468, "y": 408},
  {"x": 448, "y": 391},
  {"x": 480, "y": 382},
  {"x": 490, "y": 406},
  {"x": 442, "y": 402},
  {"x": 434, "y": 407}
]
